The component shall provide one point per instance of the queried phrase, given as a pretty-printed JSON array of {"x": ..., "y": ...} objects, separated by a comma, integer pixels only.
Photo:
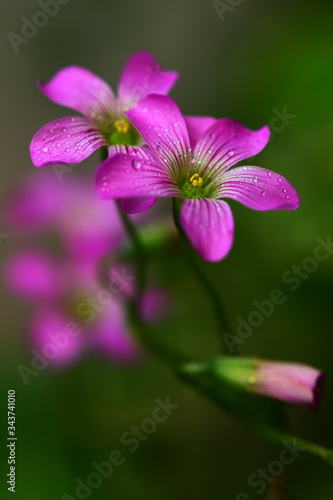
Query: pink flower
[
  {"x": 198, "y": 179},
  {"x": 73, "y": 311},
  {"x": 290, "y": 382},
  {"x": 74, "y": 138}
]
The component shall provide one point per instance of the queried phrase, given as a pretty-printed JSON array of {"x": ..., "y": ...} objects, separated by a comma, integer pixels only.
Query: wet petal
[
  {"x": 226, "y": 143},
  {"x": 126, "y": 176},
  {"x": 134, "y": 205},
  {"x": 209, "y": 226},
  {"x": 141, "y": 76},
  {"x": 79, "y": 89},
  {"x": 161, "y": 124},
  {"x": 67, "y": 140},
  {"x": 197, "y": 125},
  {"x": 259, "y": 189}
]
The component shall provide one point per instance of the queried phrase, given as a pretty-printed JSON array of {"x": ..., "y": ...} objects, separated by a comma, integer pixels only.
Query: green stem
[
  {"x": 212, "y": 293},
  {"x": 299, "y": 444},
  {"x": 139, "y": 253}
]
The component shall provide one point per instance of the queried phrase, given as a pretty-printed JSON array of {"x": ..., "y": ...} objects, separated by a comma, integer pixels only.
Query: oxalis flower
[
  {"x": 197, "y": 178},
  {"x": 73, "y": 138}
]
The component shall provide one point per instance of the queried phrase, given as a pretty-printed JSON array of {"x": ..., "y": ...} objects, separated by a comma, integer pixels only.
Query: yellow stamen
[
  {"x": 196, "y": 180},
  {"x": 121, "y": 126}
]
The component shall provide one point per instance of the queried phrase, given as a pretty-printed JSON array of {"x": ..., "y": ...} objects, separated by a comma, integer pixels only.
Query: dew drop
[
  {"x": 269, "y": 174},
  {"x": 279, "y": 179},
  {"x": 51, "y": 130},
  {"x": 136, "y": 164},
  {"x": 231, "y": 152},
  {"x": 284, "y": 190},
  {"x": 255, "y": 180},
  {"x": 67, "y": 150},
  {"x": 158, "y": 148},
  {"x": 263, "y": 193},
  {"x": 287, "y": 197},
  {"x": 45, "y": 149},
  {"x": 64, "y": 129}
]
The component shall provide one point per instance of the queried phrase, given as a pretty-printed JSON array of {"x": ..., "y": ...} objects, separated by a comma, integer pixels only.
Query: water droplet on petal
[
  {"x": 263, "y": 193},
  {"x": 158, "y": 148},
  {"x": 284, "y": 190},
  {"x": 255, "y": 180},
  {"x": 67, "y": 150},
  {"x": 279, "y": 179},
  {"x": 269, "y": 174},
  {"x": 231, "y": 152},
  {"x": 136, "y": 164},
  {"x": 45, "y": 149},
  {"x": 64, "y": 129}
]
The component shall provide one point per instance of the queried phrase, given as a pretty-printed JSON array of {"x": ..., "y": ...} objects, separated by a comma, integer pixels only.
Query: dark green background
[{"x": 262, "y": 57}]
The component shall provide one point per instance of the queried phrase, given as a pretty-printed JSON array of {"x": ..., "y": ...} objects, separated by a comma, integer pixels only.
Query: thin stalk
[{"x": 208, "y": 287}]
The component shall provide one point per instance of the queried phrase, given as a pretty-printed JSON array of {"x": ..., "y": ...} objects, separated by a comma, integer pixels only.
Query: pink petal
[
  {"x": 290, "y": 382},
  {"x": 209, "y": 226},
  {"x": 79, "y": 89},
  {"x": 33, "y": 275},
  {"x": 57, "y": 339},
  {"x": 110, "y": 335},
  {"x": 67, "y": 140},
  {"x": 126, "y": 176},
  {"x": 161, "y": 124},
  {"x": 226, "y": 143},
  {"x": 36, "y": 203},
  {"x": 197, "y": 125},
  {"x": 258, "y": 188},
  {"x": 141, "y": 76},
  {"x": 133, "y": 205}
]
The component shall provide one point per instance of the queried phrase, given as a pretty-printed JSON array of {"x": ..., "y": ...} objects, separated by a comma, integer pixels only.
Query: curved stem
[
  {"x": 139, "y": 254},
  {"x": 212, "y": 293}
]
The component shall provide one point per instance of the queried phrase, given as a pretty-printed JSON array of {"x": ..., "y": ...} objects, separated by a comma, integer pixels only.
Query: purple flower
[
  {"x": 198, "y": 178},
  {"x": 73, "y": 311},
  {"x": 74, "y": 138},
  {"x": 290, "y": 382}
]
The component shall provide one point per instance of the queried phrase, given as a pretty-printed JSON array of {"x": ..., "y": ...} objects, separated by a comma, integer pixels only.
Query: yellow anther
[
  {"x": 196, "y": 180},
  {"x": 121, "y": 126}
]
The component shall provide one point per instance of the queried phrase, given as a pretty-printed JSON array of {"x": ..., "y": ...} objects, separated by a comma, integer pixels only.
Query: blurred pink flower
[{"x": 74, "y": 312}]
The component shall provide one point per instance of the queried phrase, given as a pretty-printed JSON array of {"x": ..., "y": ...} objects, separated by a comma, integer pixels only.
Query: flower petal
[
  {"x": 36, "y": 203},
  {"x": 161, "y": 124},
  {"x": 55, "y": 337},
  {"x": 141, "y": 76},
  {"x": 34, "y": 275},
  {"x": 126, "y": 176},
  {"x": 209, "y": 226},
  {"x": 197, "y": 125},
  {"x": 259, "y": 189},
  {"x": 79, "y": 89},
  {"x": 133, "y": 205},
  {"x": 111, "y": 336},
  {"x": 63, "y": 141},
  {"x": 226, "y": 143}
]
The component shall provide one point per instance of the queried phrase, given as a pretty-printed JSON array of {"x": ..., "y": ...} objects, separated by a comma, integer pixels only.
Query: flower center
[
  {"x": 121, "y": 126},
  {"x": 196, "y": 180},
  {"x": 122, "y": 132}
]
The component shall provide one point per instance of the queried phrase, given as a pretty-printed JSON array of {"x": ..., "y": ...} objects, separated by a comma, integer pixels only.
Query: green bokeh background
[{"x": 263, "y": 56}]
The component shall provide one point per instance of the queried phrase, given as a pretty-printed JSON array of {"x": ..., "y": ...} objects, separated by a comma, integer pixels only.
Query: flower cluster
[
  {"x": 155, "y": 152},
  {"x": 149, "y": 151},
  {"x": 74, "y": 311}
]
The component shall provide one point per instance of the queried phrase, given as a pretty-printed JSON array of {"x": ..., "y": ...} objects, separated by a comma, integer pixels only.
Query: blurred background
[{"x": 259, "y": 62}]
